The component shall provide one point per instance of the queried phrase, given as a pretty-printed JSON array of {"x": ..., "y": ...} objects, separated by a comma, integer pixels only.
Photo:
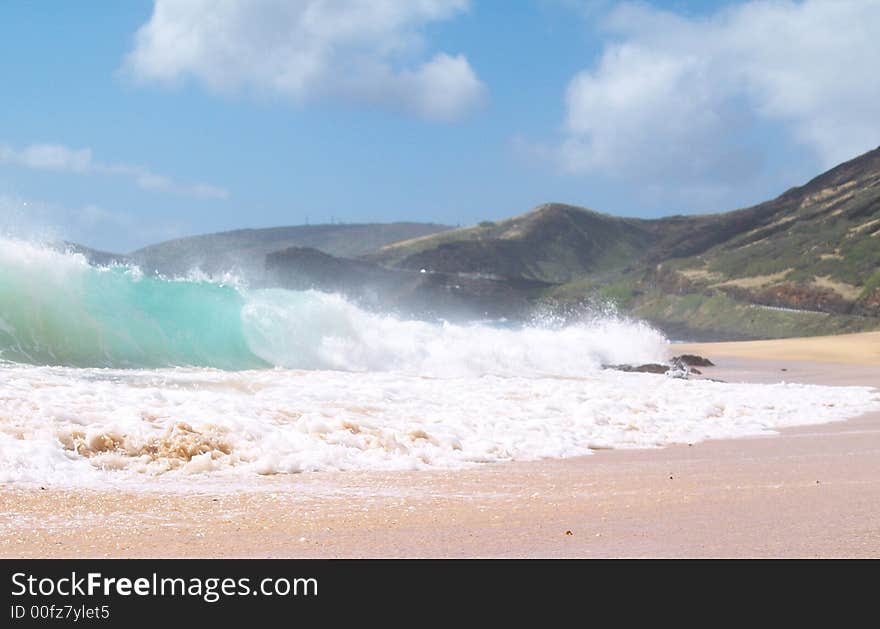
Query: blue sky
[{"x": 129, "y": 123}]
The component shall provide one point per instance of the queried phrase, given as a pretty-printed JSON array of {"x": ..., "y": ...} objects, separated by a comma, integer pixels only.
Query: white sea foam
[{"x": 86, "y": 426}]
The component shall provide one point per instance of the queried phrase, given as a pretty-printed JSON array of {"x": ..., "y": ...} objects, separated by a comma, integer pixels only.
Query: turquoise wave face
[{"x": 57, "y": 310}]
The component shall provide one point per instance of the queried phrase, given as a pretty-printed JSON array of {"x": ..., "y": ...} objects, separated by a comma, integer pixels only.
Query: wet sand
[{"x": 808, "y": 492}]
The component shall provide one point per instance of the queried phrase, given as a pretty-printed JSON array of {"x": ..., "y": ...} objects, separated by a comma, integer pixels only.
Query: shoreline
[
  {"x": 809, "y": 491},
  {"x": 850, "y": 349}
]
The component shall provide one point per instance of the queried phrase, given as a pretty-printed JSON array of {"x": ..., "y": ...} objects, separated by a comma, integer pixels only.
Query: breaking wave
[{"x": 56, "y": 309}]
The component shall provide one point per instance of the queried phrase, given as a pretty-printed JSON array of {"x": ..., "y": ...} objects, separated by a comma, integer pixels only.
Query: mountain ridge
[
  {"x": 813, "y": 250},
  {"x": 805, "y": 262}
]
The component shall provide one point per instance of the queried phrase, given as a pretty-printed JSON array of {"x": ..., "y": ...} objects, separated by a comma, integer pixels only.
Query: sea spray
[{"x": 311, "y": 330}]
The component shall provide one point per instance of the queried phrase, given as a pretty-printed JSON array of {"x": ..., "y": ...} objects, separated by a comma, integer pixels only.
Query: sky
[{"x": 127, "y": 123}]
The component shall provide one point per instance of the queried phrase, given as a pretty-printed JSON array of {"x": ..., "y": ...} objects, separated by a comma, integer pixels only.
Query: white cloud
[
  {"x": 682, "y": 100},
  {"x": 60, "y": 158},
  {"x": 52, "y": 157},
  {"x": 366, "y": 52}
]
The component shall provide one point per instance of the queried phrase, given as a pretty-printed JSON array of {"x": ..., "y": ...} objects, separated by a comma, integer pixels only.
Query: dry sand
[
  {"x": 809, "y": 492},
  {"x": 854, "y": 349}
]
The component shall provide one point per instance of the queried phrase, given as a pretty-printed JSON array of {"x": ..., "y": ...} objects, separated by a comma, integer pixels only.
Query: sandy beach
[
  {"x": 808, "y": 492},
  {"x": 852, "y": 349}
]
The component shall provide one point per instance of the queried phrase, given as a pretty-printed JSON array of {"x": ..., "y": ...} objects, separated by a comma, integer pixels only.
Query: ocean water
[{"x": 109, "y": 376}]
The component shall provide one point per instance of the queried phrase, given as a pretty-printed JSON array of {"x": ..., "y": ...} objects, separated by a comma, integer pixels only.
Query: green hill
[
  {"x": 815, "y": 247},
  {"x": 554, "y": 243},
  {"x": 807, "y": 262},
  {"x": 814, "y": 251}
]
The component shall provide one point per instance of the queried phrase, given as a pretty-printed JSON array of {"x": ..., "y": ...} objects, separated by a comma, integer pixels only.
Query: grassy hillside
[
  {"x": 814, "y": 249},
  {"x": 553, "y": 243},
  {"x": 807, "y": 262}
]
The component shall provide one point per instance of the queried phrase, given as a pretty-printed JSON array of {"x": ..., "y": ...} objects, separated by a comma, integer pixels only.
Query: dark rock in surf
[
  {"x": 692, "y": 360},
  {"x": 647, "y": 368},
  {"x": 678, "y": 367}
]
